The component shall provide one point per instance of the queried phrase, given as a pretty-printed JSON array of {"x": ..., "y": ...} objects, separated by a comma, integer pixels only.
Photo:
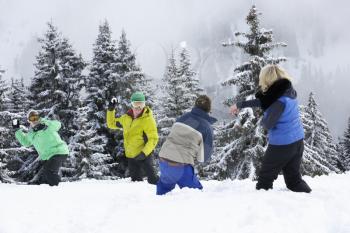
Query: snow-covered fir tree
[
  {"x": 130, "y": 76},
  {"x": 320, "y": 156},
  {"x": 70, "y": 83},
  {"x": 172, "y": 105},
  {"x": 344, "y": 148},
  {"x": 12, "y": 156},
  {"x": 180, "y": 88},
  {"x": 240, "y": 144},
  {"x": 190, "y": 78},
  {"x": 18, "y": 96},
  {"x": 3, "y": 92},
  {"x": 102, "y": 84},
  {"x": 58, "y": 80}
]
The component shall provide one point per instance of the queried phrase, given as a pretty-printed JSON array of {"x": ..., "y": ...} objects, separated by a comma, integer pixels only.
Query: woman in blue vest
[{"x": 277, "y": 98}]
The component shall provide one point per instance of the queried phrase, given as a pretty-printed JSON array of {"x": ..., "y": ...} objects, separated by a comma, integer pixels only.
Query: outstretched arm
[
  {"x": 249, "y": 104},
  {"x": 23, "y": 138}
]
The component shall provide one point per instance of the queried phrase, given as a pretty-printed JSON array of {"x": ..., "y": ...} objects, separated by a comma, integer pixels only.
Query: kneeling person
[{"x": 190, "y": 139}]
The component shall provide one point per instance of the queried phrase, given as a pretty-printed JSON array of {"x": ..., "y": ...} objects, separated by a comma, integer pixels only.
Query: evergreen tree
[
  {"x": 190, "y": 78},
  {"x": 71, "y": 66},
  {"x": 12, "y": 157},
  {"x": 102, "y": 84},
  {"x": 320, "y": 155},
  {"x": 173, "y": 104},
  {"x": 18, "y": 96},
  {"x": 240, "y": 144},
  {"x": 344, "y": 148},
  {"x": 130, "y": 76},
  {"x": 3, "y": 92},
  {"x": 45, "y": 81},
  {"x": 58, "y": 80}
]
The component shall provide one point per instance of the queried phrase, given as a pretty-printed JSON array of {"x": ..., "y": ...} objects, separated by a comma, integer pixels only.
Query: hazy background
[{"x": 316, "y": 32}]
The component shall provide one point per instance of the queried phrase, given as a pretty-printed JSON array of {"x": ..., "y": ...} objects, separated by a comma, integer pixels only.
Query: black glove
[
  {"x": 140, "y": 157},
  {"x": 112, "y": 104},
  {"x": 15, "y": 124}
]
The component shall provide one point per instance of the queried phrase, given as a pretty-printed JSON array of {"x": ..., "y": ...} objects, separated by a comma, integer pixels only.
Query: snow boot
[
  {"x": 302, "y": 187},
  {"x": 261, "y": 185}
]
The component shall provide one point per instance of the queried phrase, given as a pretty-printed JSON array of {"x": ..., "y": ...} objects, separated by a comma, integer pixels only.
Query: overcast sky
[{"x": 153, "y": 25}]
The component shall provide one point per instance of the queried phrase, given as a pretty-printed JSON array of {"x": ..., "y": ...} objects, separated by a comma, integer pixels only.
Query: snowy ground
[{"x": 223, "y": 207}]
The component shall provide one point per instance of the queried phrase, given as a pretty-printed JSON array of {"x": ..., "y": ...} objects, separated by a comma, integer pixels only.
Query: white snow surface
[{"x": 92, "y": 206}]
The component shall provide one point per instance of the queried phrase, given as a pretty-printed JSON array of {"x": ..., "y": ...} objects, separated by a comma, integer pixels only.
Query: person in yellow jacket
[{"x": 140, "y": 136}]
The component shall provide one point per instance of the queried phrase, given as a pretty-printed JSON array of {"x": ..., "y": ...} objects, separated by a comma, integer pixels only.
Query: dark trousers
[
  {"x": 51, "y": 168},
  {"x": 285, "y": 158},
  {"x": 137, "y": 167}
]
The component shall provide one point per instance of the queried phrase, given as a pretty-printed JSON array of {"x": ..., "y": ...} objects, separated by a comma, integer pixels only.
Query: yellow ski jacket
[{"x": 140, "y": 134}]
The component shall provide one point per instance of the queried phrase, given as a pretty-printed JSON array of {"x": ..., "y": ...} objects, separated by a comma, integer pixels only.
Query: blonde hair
[{"x": 270, "y": 74}]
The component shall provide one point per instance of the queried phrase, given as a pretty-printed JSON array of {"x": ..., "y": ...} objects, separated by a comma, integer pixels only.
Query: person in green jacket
[
  {"x": 140, "y": 136},
  {"x": 43, "y": 135}
]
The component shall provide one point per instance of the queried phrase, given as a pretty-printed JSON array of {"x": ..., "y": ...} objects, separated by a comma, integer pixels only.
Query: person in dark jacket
[
  {"x": 278, "y": 99},
  {"x": 190, "y": 140}
]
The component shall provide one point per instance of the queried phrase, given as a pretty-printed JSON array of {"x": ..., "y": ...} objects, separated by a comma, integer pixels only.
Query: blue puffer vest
[{"x": 289, "y": 128}]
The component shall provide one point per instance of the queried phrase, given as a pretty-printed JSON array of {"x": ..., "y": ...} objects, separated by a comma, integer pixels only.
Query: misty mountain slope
[{"x": 229, "y": 206}]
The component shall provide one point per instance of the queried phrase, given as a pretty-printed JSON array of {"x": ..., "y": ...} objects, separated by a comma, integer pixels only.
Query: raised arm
[{"x": 114, "y": 122}]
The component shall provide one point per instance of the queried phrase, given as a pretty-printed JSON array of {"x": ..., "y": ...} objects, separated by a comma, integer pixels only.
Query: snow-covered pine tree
[
  {"x": 186, "y": 73},
  {"x": 344, "y": 149},
  {"x": 240, "y": 144},
  {"x": 102, "y": 84},
  {"x": 46, "y": 74},
  {"x": 173, "y": 91},
  {"x": 3, "y": 92},
  {"x": 18, "y": 96},
  {"x": 69, "y": 84},
  {"x": 320, "y": 156},
  {"x": 130, "y": 76},
  {"x": 58, "y": 80},
  {"x": 11, "y": 155}
]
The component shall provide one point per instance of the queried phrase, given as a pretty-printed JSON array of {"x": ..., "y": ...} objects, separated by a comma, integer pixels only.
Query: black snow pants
[
  {"x": 50, "y": 170},
  {"x": 285, "y": 158},
  {"x": 139, "y": 167}
]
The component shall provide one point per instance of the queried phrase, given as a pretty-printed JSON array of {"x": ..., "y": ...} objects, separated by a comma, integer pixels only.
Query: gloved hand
[
  {"x": 112, "y": 104},
  {"x": 140, "y": 157},
  {"x": 15, "y": 124}
]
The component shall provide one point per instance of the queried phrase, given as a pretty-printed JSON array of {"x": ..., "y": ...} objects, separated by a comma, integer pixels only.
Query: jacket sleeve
[
  {"x": 23, "y": 138},
  {"x": 152, "y": 137},
  {"x": 249, "y": 104},
  {"x": 273, "y": 113},
  {"x": 112, "y": 121},
  {"x": 208, "y": 144},
  {"x": 52, "y": 124}
]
